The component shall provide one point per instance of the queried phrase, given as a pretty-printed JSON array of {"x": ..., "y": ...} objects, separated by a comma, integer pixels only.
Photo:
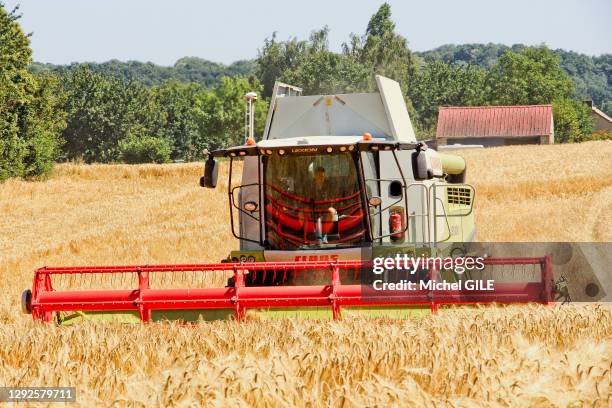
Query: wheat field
[{"x": 117, "y": 214}]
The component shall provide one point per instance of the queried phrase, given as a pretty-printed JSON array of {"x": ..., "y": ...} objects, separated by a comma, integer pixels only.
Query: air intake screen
[{"x": 459, "y": 195}]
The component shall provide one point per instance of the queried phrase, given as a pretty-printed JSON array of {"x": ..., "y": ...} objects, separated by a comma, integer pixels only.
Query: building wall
[
  {"x": 446, "y": 135},
  {"x": 600, "y": 123},
  {"x": 551, "y": 137},
  {"x": 494, "y": 141}
]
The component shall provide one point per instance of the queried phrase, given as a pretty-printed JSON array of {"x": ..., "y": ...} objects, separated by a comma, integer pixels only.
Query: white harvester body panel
[
  {"x": 383, "y": 114},
  {"x": 395, "y": 108},
  {"x": 250, "y": 191},
  {"x": 308, "y": 141}
]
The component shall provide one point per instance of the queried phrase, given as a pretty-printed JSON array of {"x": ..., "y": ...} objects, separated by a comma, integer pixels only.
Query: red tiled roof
[{"x": 485, "y": 121}]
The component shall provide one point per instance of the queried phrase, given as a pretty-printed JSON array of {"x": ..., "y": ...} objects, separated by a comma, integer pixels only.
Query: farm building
[
  {"x": 495, "y": 125},
  {"x": 601, "y": 121}
]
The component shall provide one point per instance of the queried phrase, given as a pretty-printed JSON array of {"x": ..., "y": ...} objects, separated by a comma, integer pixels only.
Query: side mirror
[
  {"x": 426, "y": 164},
  {"x": 211, "y": 173}
]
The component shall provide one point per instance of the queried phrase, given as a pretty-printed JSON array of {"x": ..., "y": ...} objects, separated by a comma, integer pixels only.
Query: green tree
[
  {"x": 531, "y": 76},
  {"x": 197, "y": 118},
  {"x": 187, "y": 69},
  {"x": 182, "y": 107},
  {"x": 380, "y": 23},
  {"x": 321, "y": 71},
  {"x": 110, "y": 120},
  {"x": 30, "y": 119},
  {"x": 573, "y": 122},
  {"x": 86, "y": 105},
  {"x": 591, "y": 74},
  {"x": 103, "y": 111},
  {"x": 311, "y": 65},
  {"x": 534, "y": 76},
  {"x": 224, "y": 110},
  {"x": 382, "y": 51},
  {"x": 308, "y": 64},
  {"x": 439, "y": 84},
  {"x": 275, "y": 58}
]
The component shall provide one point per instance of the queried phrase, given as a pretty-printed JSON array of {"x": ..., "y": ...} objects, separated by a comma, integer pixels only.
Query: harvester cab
[
  {"x": 334, "y": 182},
  {"x": 340, "y": 177}
]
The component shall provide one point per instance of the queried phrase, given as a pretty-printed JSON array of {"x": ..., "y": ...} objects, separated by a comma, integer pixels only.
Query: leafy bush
[
  {"x": 604, "y": 134},
  {"x": 103, "y": 111},
  {"x": 145, "y": 149},
  {"x": 573, "y": 122}
]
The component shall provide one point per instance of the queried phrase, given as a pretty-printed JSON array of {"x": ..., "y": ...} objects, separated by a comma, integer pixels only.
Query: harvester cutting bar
[{"x": 45, "y": 300}]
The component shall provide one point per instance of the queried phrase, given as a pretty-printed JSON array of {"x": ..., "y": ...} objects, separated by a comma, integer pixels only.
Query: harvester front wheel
[{"x": 26, "y": 302}]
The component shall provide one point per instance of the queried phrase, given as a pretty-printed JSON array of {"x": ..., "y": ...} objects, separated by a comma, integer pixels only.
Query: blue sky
[{"x": 163, "y": 31}]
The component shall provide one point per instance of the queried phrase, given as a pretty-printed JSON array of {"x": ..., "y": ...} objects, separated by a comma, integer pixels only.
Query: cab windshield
[{"x": 313, "y": 201}]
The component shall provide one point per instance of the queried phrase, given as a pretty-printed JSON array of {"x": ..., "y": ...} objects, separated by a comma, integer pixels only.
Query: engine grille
[{"x": 459, "y": 195}]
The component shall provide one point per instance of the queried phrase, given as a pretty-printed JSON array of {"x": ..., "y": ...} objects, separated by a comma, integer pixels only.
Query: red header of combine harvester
[{"x": 44, "y": 300}]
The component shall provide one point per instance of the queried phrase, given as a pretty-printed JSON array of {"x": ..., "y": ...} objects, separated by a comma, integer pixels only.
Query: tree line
[
  {"x": 110, "y": 120},
  {"x": 186, "y": 69},
  {"x": 531, "y": 75},
  {"x": 142, "y": 113},
  {"x": 592, "y": 75}
]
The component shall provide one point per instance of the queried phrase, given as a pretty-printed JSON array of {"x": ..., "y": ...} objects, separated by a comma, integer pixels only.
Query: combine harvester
[{"x": 335, "y": 181}]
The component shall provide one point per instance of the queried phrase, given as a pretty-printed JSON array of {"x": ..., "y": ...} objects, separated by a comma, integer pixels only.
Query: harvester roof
[
  {"x": 383, "y": 114},
  {"x": 314, "y": 145}
]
